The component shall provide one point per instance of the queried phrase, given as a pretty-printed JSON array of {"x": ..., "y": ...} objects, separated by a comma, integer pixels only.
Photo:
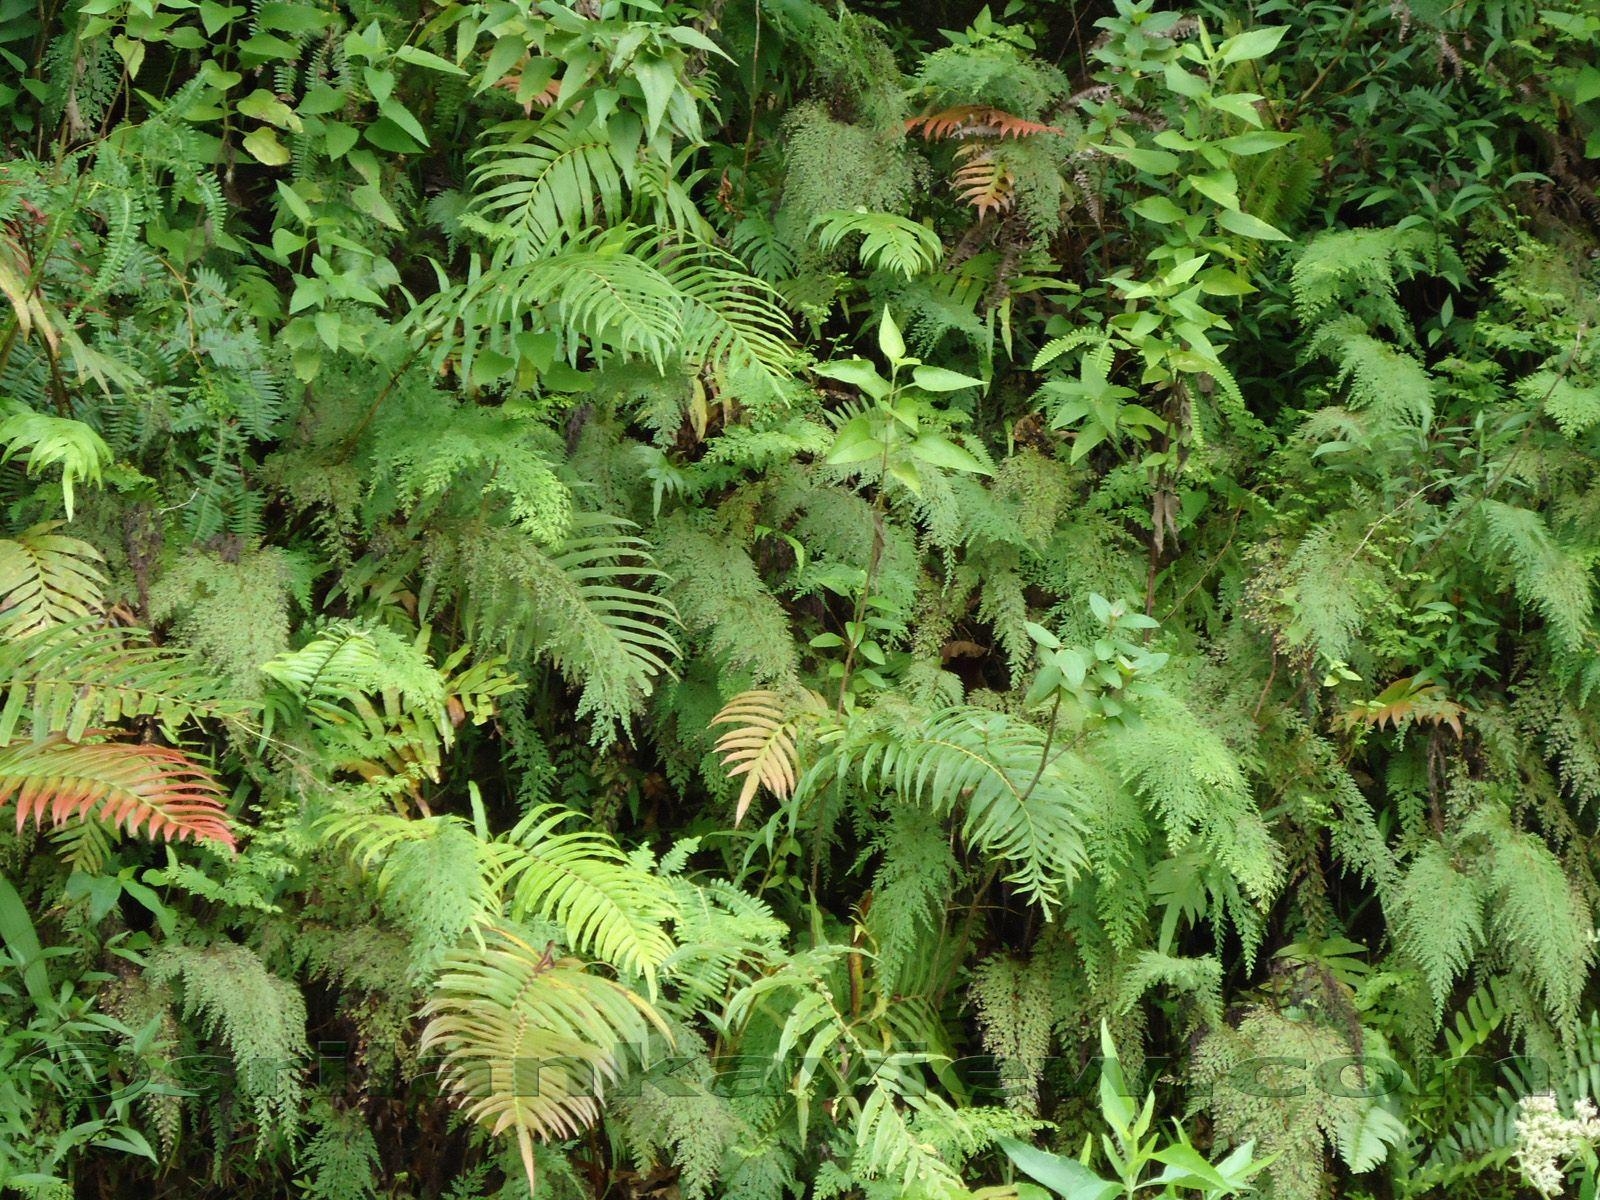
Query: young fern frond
[
  {"x": 761, "y": 747},
  {"x": 143, "y": 788},
  {"x": 529, "y": 1042},
  {"x": 607, "y": 905},
  {"x": 46, "y": 441},
  {"x": 47, "y": 579}
]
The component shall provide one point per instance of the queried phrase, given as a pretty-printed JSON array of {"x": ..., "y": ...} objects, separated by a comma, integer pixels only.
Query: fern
[
  {"x": 888, "y": 242},
  {"x": 153, "y": 789},
  {"x": 583, "y": 883},
  {"x": 45, "y": 441},
  {"x": 261, "y": 1017},
  {"x": 1436, "y": 916},
  {"x": 529, "y": 1042},
  {"x": 1547, "y": 575},
  {"x": 47, "y": 579},
  {"x": 761, "y": 747},
  {"x": 1019, "y": 800}
]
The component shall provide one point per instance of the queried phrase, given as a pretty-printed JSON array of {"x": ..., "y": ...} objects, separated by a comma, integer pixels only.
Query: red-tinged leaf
[
  {"x": 975, "y": 120},
  {"x": 154, "y": 790}
]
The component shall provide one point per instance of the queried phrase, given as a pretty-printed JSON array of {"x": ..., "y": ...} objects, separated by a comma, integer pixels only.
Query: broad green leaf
[
  {"x": 1252, "y": 43},
  {"x": 402, "y": 116},
  {"x": 1587, "y": 85},
  {"x": 658, "y": 80},
  {"x": 1242, "y": 223},
  {"x": 890, "y": 342},
  {"x": 1066, "y": 1177},
  {"x": 262, "y": 105},
  {"x": 291, "y": 18},
  {"x": 1257, "y": 141},
  {"x": 386, "y": 135},
  {"x": 337, "y": 138},
  {"x": 320, "y": 100},
  {"x": 856, "y": 371},
  {"x": 941, "y": 452},
  {"x": 263, "y": 146},
  {"x": 855, "y": 443},
  {"x": 1220, "y": 187},
  {"x": 1154, "y": 162},
  {"x": 1159, "y": 209},
  {"x": 937, "y": 379},
  {"x": 430, "y": 61}
]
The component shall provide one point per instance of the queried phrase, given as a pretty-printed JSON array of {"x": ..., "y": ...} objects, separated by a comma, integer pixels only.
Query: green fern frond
[
  {"x": 70, "y": 678},
  {"x": 1436, "y": 916},
  {"x": 889, "y": 242},
  {"x": 47, "y": 579},
  {"x": 1021, "y": 799},
  {"x": 607, "y": 906}
]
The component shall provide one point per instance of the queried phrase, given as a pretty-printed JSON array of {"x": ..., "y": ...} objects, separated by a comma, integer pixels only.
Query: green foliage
[{"x": 705, "y": 597}]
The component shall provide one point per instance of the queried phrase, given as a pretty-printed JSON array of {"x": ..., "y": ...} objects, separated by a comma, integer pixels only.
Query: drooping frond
[
  {"x": 530, "y": 1042},
  {"x": 582, "y": 604},
  {"x": 1436, "y": 916},
  {"x": 607, "y": 905},
  {"x": 888, "y": 241},
  {"x": 154, "y": 789},
  {"x": 1021, "y": 799},
  {"x": 761, "y": 746},
  {"x": 544, "y": 179},
  {"x": 66, "y": 679},
  {"x": 47, "y": 578},
  {"x": 975, "y": 121}
]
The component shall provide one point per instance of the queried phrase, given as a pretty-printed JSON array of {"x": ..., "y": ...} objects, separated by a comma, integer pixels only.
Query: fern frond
[
  {"x": 553, "y": 177},
  {"x": 1021, "y": 799},
  {"x": 46, "y": 579},
  {"x": 888, "y": 241},
  {"x": 530, "y": 1042},
  {"x": 761, "y": 747},
  {"x": 154, "y": 788},
  {"x": 1436, "y": 916},
  {"x": 44, "y": 440},
  {"x": 984, "y": 181},
  {"x": 68, "y": 678},
  {"x": 607, "y": 906},
  {"x": 975, "y": 120}
]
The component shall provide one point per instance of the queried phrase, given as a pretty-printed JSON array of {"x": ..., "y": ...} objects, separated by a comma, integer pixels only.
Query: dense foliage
[{"x": 747, "y": 599}]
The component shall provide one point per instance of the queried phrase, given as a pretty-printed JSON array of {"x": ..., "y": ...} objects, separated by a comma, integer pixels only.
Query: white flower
[{"x": 1546, "y": 1139}]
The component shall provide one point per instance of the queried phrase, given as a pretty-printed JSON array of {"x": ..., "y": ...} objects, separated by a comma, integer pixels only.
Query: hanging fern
[{"x": 528, "y": 1041}]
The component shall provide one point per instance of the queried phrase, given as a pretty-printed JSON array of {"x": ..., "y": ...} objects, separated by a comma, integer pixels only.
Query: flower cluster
[{"x": 1546, "y": 1139}]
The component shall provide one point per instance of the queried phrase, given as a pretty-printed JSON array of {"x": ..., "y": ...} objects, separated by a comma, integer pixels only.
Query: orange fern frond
[
  {"x": 1402, "y": 702},
  {"x": 975, "y": 121},
  {"x": 154, "y": 789},
  {"x": 983, "y": 181},
  {"x": 761, "y": 746}
]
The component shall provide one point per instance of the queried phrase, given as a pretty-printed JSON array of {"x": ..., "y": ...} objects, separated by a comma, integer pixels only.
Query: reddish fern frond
[
  {"x": 1402, "y": 702},
  {"x": 984, "y": 182},
  {"x": 141, "y": 788},
  {"x": 975, "y": 121}
]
